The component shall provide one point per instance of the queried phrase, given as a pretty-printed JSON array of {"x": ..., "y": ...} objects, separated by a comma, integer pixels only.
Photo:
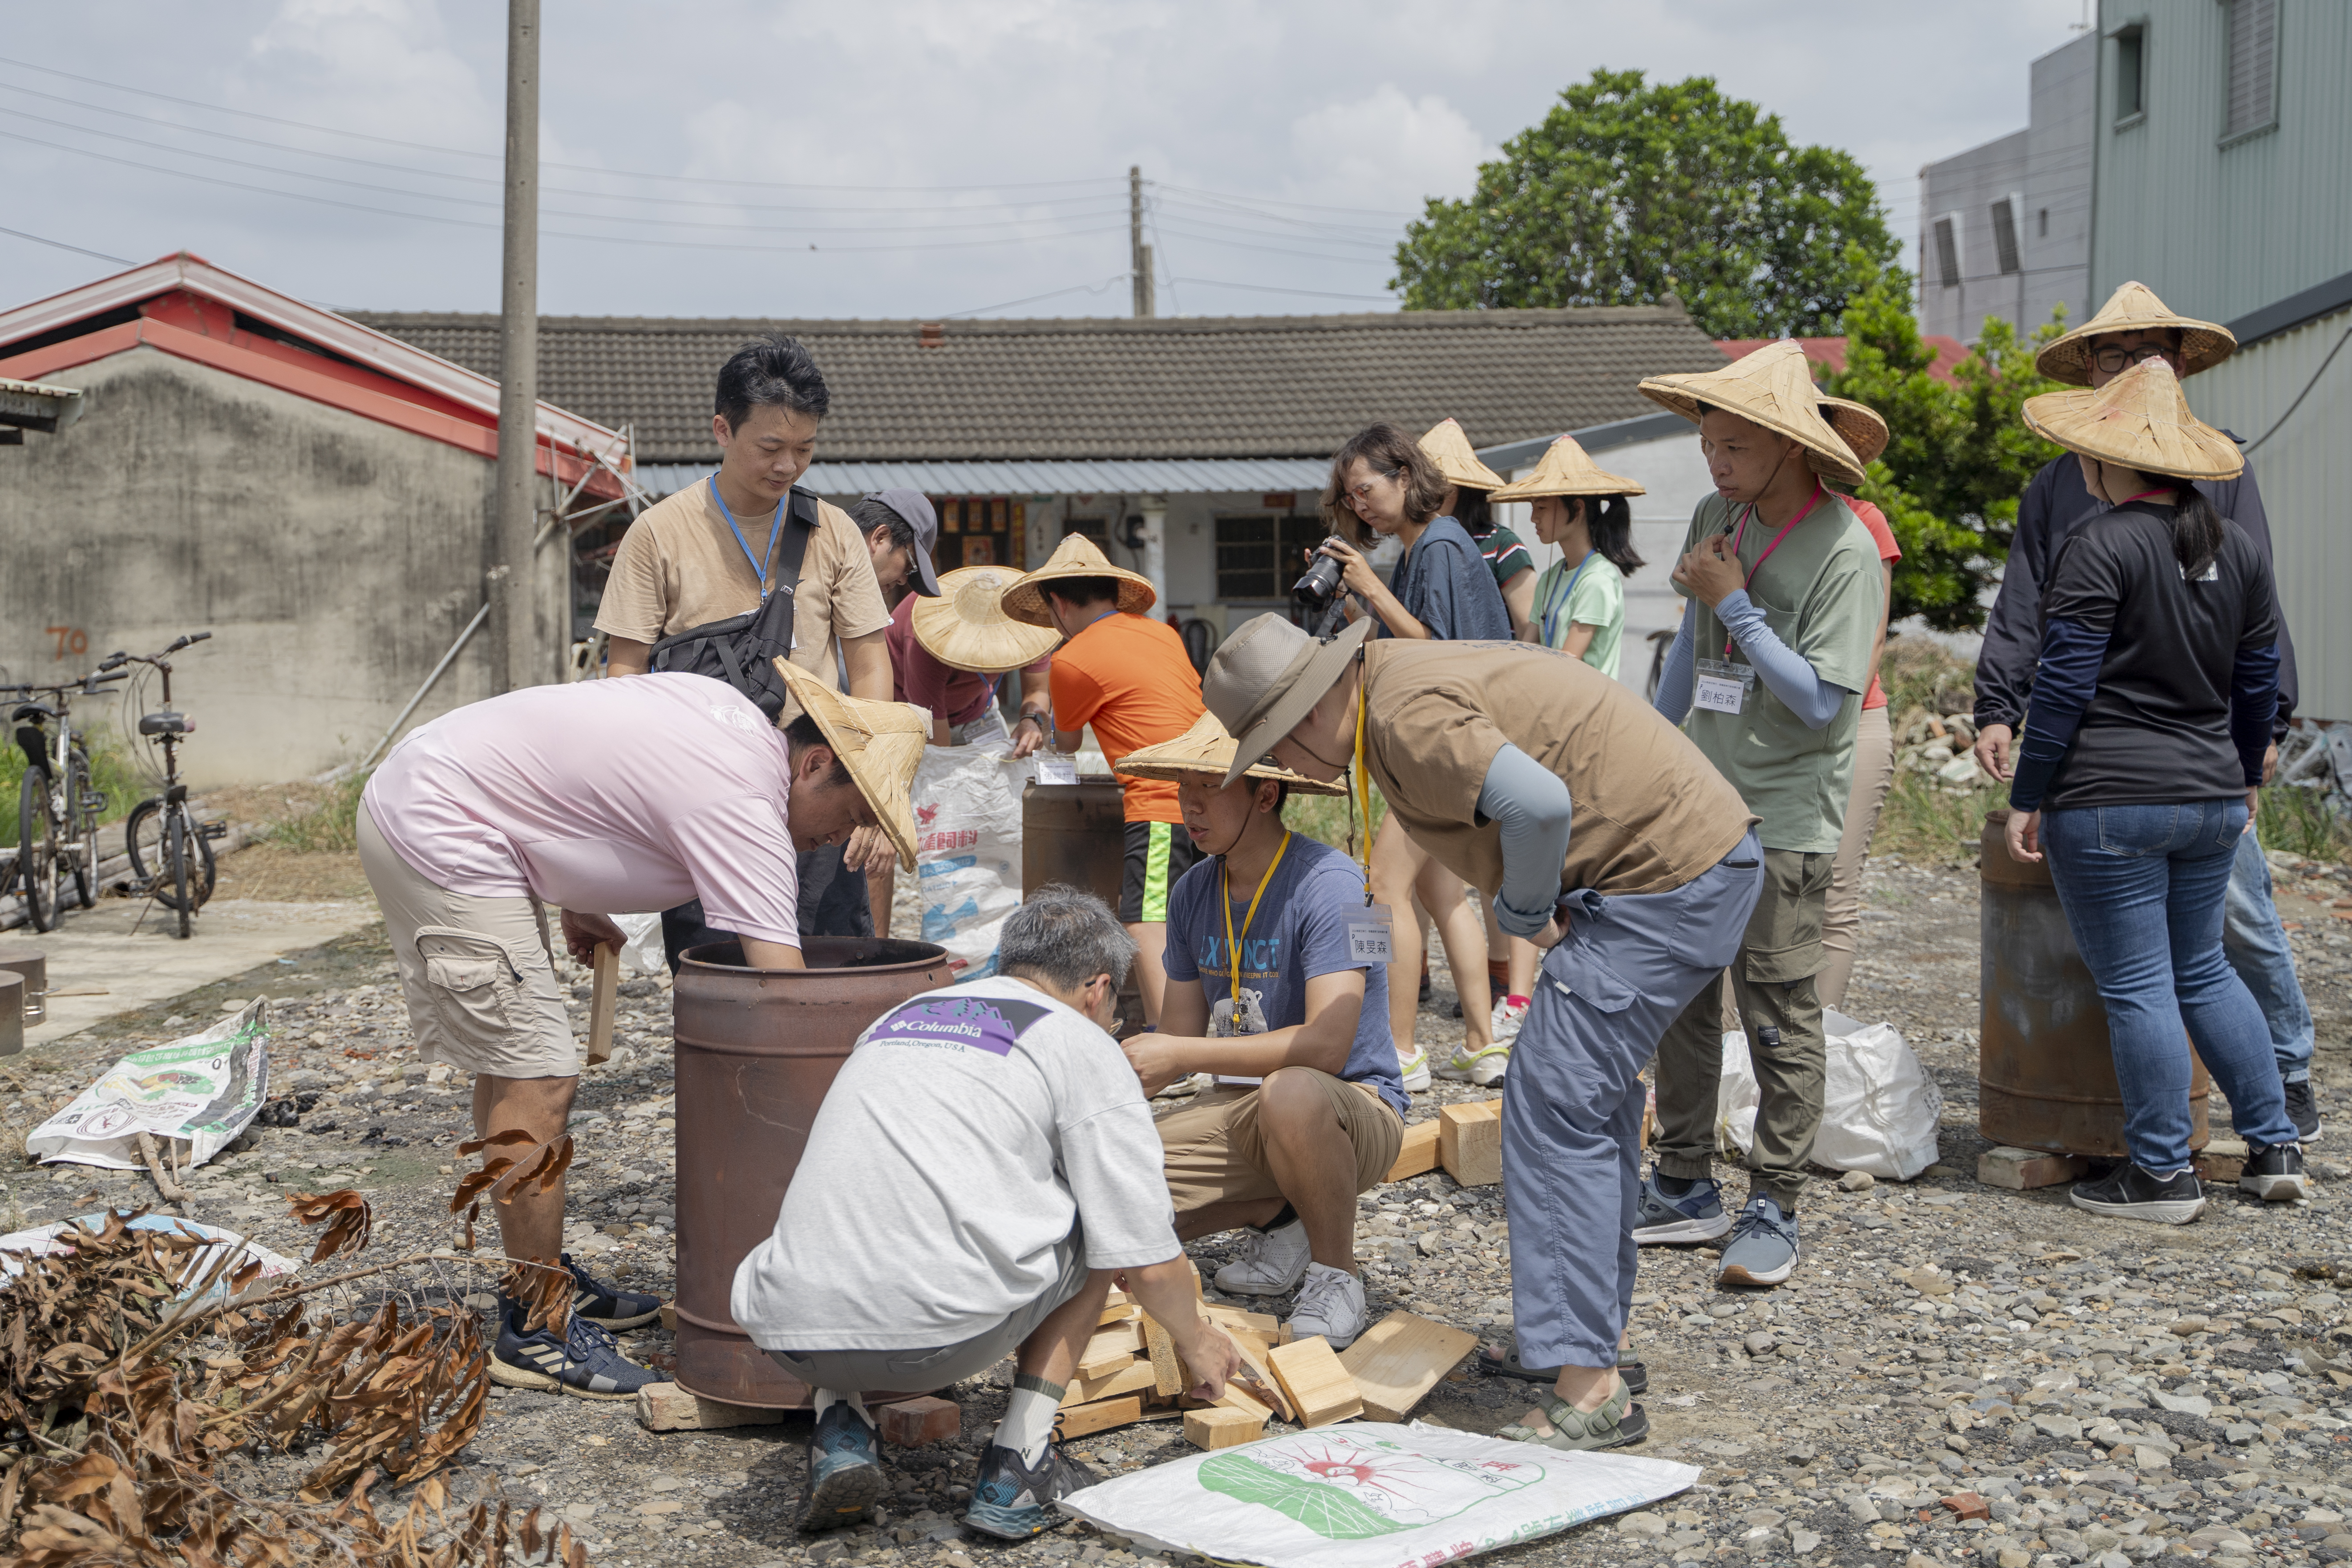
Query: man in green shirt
[{"x": 1784, "y": 591}]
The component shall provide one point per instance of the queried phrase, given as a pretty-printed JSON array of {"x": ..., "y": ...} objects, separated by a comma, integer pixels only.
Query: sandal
[
  {"x": 1618, "y": 1421},
  {"x": 1630, "y": 1370}
]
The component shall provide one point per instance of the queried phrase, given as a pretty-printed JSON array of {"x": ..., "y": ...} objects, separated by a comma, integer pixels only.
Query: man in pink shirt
[{"x": 599, "y": 797}]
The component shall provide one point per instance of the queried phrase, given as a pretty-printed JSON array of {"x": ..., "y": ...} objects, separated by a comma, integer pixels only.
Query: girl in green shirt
[{"x": 1580, "y": 601}]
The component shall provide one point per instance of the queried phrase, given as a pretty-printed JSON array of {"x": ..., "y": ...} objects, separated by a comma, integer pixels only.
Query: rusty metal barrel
[
  {"x": 1076, "y": 835},
  {"x": 756, "y": 1049},
  {"x": 2045, "y": 1072},
  {"x": 23, "y": 958},
  {"x": 12, "y": 1013}
]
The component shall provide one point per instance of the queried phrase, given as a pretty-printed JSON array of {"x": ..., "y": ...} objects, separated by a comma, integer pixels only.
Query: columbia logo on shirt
[{"x": 989, "y": 1023}]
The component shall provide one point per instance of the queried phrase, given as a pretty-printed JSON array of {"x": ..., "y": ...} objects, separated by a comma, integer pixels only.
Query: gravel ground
[{"x": 2113, "y": 1392}]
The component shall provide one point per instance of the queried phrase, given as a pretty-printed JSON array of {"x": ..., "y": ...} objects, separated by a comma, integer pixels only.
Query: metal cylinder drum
[
  {"x": 12, "y": 1013},
  {"x": 23, "y": 958},
  {"x": 1077, "y": 834},
  {"x": 2045, "y": 1072},
  {"x": 756, "y": 1050}
]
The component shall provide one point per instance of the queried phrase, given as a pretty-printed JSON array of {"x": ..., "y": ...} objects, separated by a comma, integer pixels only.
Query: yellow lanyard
[
  {"x": 1233, "y": 948},
  {"x": 1359, "y": 795}
]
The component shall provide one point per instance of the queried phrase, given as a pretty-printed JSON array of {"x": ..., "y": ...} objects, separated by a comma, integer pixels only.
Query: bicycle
[
  {"x": 170, "y": 851},
  {"x": 56, "y": 809}
]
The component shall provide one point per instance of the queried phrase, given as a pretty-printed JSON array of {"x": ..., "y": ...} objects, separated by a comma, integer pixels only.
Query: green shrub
[
  {"x": 330, "y": 826},
  {"x": 2300, "y": 822},
  {"x": 111, "y": 774}
]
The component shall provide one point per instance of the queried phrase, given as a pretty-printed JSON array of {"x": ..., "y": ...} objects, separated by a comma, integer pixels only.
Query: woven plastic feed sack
[
  {"x": 1736, "y": 1097},
  {"x": 1879, "y": 1108},
  {"x": 192, "y": 1096},
  {"x": 1367, "y": 1495},
  {"x": 967, "y": 806}
]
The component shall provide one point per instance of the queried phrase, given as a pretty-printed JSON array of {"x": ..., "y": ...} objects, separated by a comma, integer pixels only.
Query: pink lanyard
[
  {"x": 1741, "y": 532},
  {"x": 2142, "y": 496}
]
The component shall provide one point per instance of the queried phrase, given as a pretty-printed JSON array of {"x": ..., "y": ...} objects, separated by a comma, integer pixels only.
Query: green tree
[
  {"x": 1957, "y": 456},
  {"x": 1628, "y": 193}
]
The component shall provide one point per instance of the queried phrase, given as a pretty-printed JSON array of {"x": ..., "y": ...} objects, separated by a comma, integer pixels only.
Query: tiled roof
[
  {"x": 1829, "y": 352},
  {"x": 1256, "y": 387}
]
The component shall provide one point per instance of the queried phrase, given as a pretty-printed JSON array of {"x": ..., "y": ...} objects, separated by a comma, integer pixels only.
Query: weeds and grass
[
  {"x": 111, "y": 774},
  {"x": 1324, "y": 818},
  {"x": 2299, "y": 821},
  {"x": 328, "y": 826}
]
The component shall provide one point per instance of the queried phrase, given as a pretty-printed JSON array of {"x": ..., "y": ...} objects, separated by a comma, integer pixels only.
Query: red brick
[
  {"x": 1968, "y": 1505},
  {"x": 911, "y": 1423}
]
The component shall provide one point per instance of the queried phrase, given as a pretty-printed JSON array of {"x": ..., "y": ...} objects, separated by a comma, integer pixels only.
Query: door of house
[{"x": 981, "y": 531}]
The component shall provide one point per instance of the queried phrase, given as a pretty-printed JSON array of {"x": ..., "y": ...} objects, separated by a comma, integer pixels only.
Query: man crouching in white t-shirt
[{"x": 980, "y": 1173}]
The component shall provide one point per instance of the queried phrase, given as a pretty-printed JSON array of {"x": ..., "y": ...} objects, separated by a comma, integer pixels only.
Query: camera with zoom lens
[{"x": 1320, "y": 585}]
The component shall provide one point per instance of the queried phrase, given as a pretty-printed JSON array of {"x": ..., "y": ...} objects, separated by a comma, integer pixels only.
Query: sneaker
[
  {"x": 1481, "y": 1068},
  {"x": 2274, "y": 1175},
  {"x": 2303, "y": 1109},
  {"x": 1272, "y": 1261},
  {"x": 1504, "y": 1022},
  {"x": 608, "y": 1308},
  {"x": 2129, "y": 1193},
  {"x": 1697, "y": 1216},
  {"x": 1763, "y": 1246},
  {"x": 1330, "y": 1303},
  {"x": 1414, "y": 1070},
  {"x": 1013, "y": 1501},
  {"x": 845, "y": 1470},
  {"x": 586, "y": 1361}
]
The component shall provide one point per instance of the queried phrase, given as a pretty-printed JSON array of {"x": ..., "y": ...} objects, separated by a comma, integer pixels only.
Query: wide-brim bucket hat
[
  {"x": 1262, "y": 680},
  {"x": 1448, "y": 445},
  {"x": 1076, "y": 556},
  {"x": 1772, "y": 387},
  {"x": 1206, "y": 752},
  {"x": 2134, "y": 308},
  {"x": 1567, "y": 469},
  {"x": 1858, "y": 425},
  {"x": 966, "y": 627},
  {"x": 2138, "y": 420},
  {"x": 878, "y": 743}
]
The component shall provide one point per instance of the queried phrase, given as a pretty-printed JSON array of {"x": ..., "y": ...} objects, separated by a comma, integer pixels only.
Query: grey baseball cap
[{"x": 915, "y": 508}]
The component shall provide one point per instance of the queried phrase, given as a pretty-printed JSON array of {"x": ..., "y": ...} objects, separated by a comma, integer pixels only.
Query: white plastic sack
[
  {"x": 1880, "y": 1109},
  {"x": 643, "y": 950},
  {"x": 192, "y": 1095},
  {"x": 42, "y": 1240},
  {"x": 967, "y": 806},
  {"x": 1369, "y": 1495}
]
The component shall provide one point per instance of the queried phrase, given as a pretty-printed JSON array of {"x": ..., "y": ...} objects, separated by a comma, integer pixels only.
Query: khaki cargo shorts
[
  {"x": 478, "y": 974},
  {"x": 1215, "y": 1149}
]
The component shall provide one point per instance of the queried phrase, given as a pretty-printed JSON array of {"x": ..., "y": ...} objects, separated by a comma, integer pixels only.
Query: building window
[
  {"x": 2042, "y": 221},
  {"x": 1261, "y": 557},
  {"x": 2131, "y": 74},
  {"x": 2253, "y": 68},
  {"x": 1947, "y": 251},
  {"x": 2004, "y": 234}
]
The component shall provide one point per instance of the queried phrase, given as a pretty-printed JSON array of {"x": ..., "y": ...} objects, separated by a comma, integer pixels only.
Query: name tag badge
[
  {"x": 1367, "y": 936},
  {"x": 1055, "y": 768},
  {"x": 1720, "y": 687}
]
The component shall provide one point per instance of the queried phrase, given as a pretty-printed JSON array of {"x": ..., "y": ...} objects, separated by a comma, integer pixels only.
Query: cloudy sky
[{"x": 899, "y": 158}]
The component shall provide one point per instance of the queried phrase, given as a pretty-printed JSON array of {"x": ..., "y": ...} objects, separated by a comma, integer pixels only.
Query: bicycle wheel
[
  {"x": 36, "y": 850},
  {"x": 142, "y": 839},
  {"x": 80, "y": 829},
  {"x": 201, "y": 864},
  {"x": 175, "y": 864}
]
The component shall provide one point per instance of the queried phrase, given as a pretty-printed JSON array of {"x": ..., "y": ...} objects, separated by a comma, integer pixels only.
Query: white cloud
[{"x": 1386, "y": 151}]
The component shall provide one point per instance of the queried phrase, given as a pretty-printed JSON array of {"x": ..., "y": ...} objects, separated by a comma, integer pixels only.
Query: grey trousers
[{"x": 1572, "y": 1102}]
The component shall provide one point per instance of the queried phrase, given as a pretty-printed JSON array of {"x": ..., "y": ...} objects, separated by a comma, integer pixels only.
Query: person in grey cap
[
  {"x": 901, "y": 529},
  {"x": 1602, "y": 837}
]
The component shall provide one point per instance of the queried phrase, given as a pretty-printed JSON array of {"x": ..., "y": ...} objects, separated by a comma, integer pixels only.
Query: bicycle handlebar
[{"x": 188, "y": 641}]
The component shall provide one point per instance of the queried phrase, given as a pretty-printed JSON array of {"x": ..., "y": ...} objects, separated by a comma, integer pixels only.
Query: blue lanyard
[
  {"x": 759, "y": 572},
  {"x": 1559, "y": 600}
]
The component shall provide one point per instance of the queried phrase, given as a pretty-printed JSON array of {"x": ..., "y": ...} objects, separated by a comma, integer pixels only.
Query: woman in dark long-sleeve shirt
[{"x": 2141, "y": 757}]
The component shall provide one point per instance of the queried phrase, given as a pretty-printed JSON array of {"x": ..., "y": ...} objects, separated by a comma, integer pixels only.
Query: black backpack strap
[{"x": 792, "y": 549}]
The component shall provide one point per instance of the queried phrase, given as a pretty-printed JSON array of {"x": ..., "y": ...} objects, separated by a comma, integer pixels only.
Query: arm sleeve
[
  {"x": 1112, "y": 1162},
  {"x": 634, "y": 605},
  {"x": 1183, "y": 912},
  {"x": 1785, "y": 672},
  {"x": 2063, "y": 685},
  {"x": 2244, "y": 508},
  {"x": 1531, "y": 805},
  {"x": 2253, "y": 698},
  {"x": 1076, "y": 693},
  {"x": 1675, "y": 677},
  {"x": 1329, "y": 898},
  {"x": 739, "y": 855},
  {"x": 2011, "y": 635}
]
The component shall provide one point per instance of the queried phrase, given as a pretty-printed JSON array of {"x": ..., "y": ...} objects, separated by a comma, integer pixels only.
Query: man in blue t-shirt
[{"x": 1264, "y": 994}]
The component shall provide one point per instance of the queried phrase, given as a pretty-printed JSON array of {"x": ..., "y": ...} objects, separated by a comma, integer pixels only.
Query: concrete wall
[
  {"x": 333, "y": 559},
  {"x": 1961, "y": 189}
]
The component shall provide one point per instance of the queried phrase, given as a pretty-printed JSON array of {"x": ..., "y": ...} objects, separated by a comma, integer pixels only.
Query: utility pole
[
  {"x": 514, "y": 603},
  {"x": 1141, "y": 252}
]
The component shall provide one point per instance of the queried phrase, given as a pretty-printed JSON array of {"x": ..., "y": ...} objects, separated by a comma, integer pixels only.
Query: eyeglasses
[
  {"x": 2115, "y": 360},
  {"x": 1358, "y": 495}
]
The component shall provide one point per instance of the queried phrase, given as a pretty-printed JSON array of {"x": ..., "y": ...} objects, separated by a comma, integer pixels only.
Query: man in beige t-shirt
[{"x": 707, "y": 554}]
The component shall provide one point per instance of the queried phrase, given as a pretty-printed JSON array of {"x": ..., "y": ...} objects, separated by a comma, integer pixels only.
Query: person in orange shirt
[{"x": 1128, "y": 676}]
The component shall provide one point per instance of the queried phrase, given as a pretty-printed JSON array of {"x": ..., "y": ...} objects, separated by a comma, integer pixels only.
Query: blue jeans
[
  {"x": 2143, "y": 886},
  {"x": 2256, "y": 946}
]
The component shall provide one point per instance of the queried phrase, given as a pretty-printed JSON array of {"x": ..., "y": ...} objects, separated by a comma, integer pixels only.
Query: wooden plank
[
  {"x": 1080, "y": 1420},
  {"x": 603, "y": 999},
  {"x": 1265, "y": 1325},
  {"x": 1417, "y": 1154},
  {"x": 1470, "y": 1143},
  {"x": 1126, "y": 1312},
  {"x": 1255, "y": 1360},
  {"x": 667, "y": 1407},
  {"x": 1167, "y": 1369},
  {"x": 1108, "y": 1364},
  {"x": 1217, "y": 1427},
  {"x": 1318, "y": 1386},
  {"x": 1399, "y": 1360},
  {"x": 1132, "y": 1378}
]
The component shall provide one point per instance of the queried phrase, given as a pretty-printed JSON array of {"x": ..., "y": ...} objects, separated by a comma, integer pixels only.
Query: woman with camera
[{"x": 1384, "y": 486}]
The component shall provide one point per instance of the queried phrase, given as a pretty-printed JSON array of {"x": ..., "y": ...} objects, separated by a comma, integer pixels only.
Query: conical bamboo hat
[
  {"x": 1567, "y": 471},
  {"x": 878, "y": 743},
  {"x": 1860, "y": 426},
  {"x": 2138, "y": 420},
  {"x": 1204, "y": 753},
  {"x": 1076, "y": 556},
  {"x": 965, "y": 626},
  {"x": 1446, "y": 446},
  {"x": 1772, "y": 387},
  {"x": 2134, "y": 308}
]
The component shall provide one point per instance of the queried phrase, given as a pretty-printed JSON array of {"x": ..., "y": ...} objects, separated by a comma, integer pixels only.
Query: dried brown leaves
[
  {"x": 540, "y": 1166},
  {"x": 545, "y": 1288},
  {"x": 349, "y": 1220}
]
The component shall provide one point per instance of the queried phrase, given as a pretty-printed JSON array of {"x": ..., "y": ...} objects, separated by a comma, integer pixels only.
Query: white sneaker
[
  {"x": 1485, "y": 1068},
  {"x": 1330, "y": 1303},
  {"x": 1504, "y": 1023},
  {"x": 1272, "y": 1261},
  {"x": 1414, "y": 1070}
]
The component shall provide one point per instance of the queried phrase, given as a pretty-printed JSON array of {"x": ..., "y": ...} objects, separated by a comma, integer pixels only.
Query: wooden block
[
  {"x": 1166, "y": 1372},
  {"x": 1400, "y": 1359},
  {"x": 1255, "y": 1360},
  {"x": 1318, "y": 1388},
  {"x": 1126, "y": 1334},
  {"x": 1417, "y": 1154},
  {"x": 1264, "y": 1325},
  {"x": 1470, "y": 1143},
  {"x": 1218, "y": 1427},
  {"x": 667, "y": 1407},
  {"x": 1124, "y": 1313},
  {"x": 669, "y": 1316},
  {"x": 1080, "y": 1420},
  {"x": 1133, "y": 1378},
  {"x": 1093, "y": 1368},
  {"x": 911, "y": 1423},
  {"x": 603, "y": 998},
  {"x": 2223, "y": 1160},
  {"x": 2021, "y": 1170}
]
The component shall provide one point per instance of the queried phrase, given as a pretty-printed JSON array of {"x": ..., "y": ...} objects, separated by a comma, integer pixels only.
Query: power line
[
  {"x": 77, "y": 249},
  {"x": 1270, "y": 288},
  {"x": 2299, "y": 396},
  {"x": 1050, "y": 294}
]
